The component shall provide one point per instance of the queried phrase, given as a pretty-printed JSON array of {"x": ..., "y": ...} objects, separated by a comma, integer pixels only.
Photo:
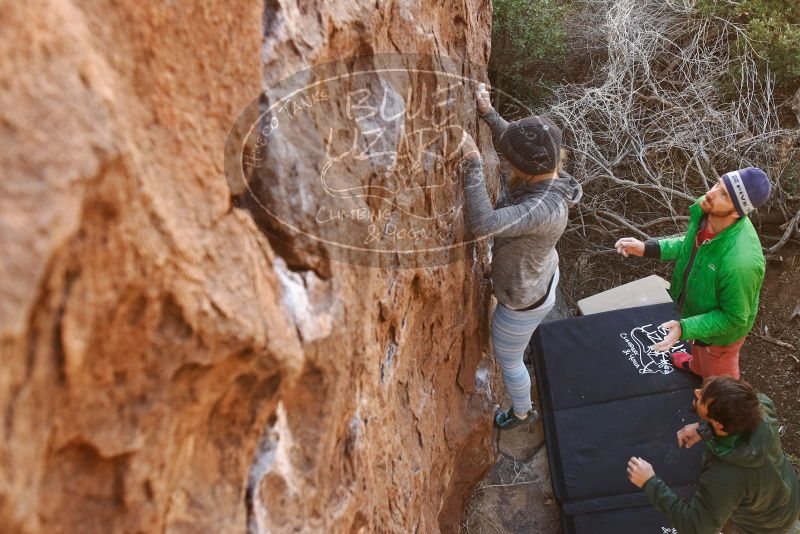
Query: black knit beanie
[{"x": 532, "y": 145}]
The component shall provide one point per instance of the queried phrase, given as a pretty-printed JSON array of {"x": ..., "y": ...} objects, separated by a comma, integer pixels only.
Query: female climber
[{"x": 530, "y": 216}]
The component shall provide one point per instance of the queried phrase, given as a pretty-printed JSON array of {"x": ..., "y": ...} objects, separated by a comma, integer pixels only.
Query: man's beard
[{"x": 720, "y": 215}]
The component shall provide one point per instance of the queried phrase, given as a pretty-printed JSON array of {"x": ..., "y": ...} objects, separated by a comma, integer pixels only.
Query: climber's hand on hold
[
  {"x": 630, "y": 246},
  {"x": 456, "y": 143},
  {"x": 482, "y": 99},
  {"x": 673, "y": 329},
  {"x": 468, "y": 147}
]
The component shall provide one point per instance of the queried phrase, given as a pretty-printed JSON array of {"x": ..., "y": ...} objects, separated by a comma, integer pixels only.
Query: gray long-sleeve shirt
[{"x": 526, "y": 224}]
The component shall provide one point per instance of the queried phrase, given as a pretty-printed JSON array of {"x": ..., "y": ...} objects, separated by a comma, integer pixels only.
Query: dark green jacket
[
  {"x": 724, "y": 282},
  {"x": 754, "y": 486}
]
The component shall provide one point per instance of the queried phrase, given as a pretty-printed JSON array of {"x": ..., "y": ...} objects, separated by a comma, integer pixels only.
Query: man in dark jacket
[
  {"x": 747, "y": 485},
  {"x": 719, "y": 268}
]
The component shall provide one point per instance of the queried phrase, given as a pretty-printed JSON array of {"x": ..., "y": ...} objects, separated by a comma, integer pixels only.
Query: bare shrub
[{"x": 669, "y": 108}]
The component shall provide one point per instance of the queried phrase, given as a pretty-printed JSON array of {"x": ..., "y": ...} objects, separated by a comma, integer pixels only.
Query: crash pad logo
[{"x": 640, "y": 351}]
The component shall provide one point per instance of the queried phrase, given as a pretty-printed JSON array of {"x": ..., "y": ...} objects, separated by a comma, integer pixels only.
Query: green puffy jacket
[
  {"x": 754, "y": 486},
  {"x": 723, "y": 284}
]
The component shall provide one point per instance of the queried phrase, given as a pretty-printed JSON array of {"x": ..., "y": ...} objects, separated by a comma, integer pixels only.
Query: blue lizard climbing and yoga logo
[{"x": 368, "y": 149}]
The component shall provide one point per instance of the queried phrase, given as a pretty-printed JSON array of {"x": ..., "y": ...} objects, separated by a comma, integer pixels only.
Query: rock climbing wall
[{"x": 172, "y": 358}]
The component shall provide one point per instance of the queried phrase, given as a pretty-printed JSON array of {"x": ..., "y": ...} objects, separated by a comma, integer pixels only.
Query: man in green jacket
[
  {"x": 747, "y": 484},
  {"x": 719, "y": 269}
]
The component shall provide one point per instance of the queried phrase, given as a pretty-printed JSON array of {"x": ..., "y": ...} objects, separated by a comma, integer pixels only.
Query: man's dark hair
[{"x": 731, "y": 402}]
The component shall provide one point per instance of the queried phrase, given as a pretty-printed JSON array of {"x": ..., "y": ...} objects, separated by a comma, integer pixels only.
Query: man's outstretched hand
[
  {"x": 688, "y": 436},
  {"x": 628, "y": 246},
  {"x": 673, "y": 329},
  {"x": 639, "y": 471}
]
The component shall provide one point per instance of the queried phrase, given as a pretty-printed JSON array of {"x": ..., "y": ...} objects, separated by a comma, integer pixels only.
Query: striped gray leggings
[{"x": 511, "y": 333}]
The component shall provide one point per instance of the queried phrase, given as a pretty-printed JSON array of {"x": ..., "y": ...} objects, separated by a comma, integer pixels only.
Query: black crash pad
[{"x": 607, "y": 396}]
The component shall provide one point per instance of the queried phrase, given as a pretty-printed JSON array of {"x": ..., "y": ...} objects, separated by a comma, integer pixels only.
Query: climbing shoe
[
  {"x": 507, "y": 419},
  {"x": 680, "y": 360}
]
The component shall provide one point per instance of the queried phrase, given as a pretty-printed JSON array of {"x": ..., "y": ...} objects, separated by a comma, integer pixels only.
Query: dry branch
[
  {"x": 654, "y": 123},
  {"x": 791, "y": 227},
  {"x": 775, "y": 341}
]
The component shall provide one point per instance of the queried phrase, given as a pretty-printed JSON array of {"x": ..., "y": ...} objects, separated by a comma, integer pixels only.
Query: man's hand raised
[
  {"x": 639, "y": 471},
  {"x": 688, "y": 436},
  {"x": 630, "y": 246},
  {"x": 674, "y": 332}
]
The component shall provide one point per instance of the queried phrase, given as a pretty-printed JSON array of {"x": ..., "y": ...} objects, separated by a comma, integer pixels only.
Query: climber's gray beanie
[{"x": 532, "y": 145}]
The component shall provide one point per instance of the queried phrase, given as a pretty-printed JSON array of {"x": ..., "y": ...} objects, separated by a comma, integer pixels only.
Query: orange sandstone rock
[{"x": 168, "y": 365}]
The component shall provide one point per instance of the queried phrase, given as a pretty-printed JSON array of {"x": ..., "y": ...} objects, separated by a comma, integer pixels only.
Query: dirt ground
[{"x": 773, "y": 369}]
